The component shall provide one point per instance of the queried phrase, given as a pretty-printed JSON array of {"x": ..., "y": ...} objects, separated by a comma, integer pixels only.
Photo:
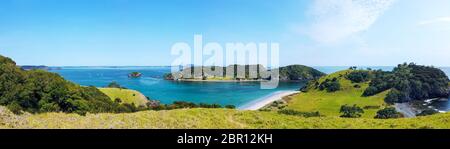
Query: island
[
  {"x": 259, "y": 73},
  {"x": 135, "y": 75}
]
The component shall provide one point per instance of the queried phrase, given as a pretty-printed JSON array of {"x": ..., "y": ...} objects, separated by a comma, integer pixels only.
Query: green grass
[
  {"x": 329, "y": 103},
  {"x": 126, "y": 95},
  {"x": 211, "y": 118}
]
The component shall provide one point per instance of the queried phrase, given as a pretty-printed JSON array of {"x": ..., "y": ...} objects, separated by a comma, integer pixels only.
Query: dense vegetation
[
  {"x": 156, "y": 105},
  {"x": 39, "y": 91},
  {"x": 409, "y": 82},
  {"x": 288, "y": 73},
  {"x": 329, "y": 103},
  {"x": 351, "y": 111},
  {"x": 387, "y": 113},
  {"x": 359, "y": 76},
  {"x": 299, "y": 73},
  {"x": 330, "y": 85}
]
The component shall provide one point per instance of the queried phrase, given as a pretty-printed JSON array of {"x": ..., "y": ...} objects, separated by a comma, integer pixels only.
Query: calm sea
[{"x": 154, "y": 86}]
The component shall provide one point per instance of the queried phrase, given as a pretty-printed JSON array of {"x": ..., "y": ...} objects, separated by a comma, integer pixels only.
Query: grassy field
[
  {"x": 126, "y": 95},
  {"x": 211, "y": 118},
  {"x": 329, "y": 103}
]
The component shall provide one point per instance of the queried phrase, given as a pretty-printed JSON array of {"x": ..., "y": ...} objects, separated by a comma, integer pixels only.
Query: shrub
[
  {"x": 351, "y": 111},
  {"x": 298, "y": 113},
  {"x": 118, "y": 100},
  {"x": 330, "y": 85},
  {"x": 371, "y": 90},
  {"x": 387, "y": 113},
  {"x": 394, "y": 96},
  {"x": 114, "y": 84},
  {"x": 427, "y": 112},
  {"x": 371, "y": 107},
  {"x": 359, "y": 76},
  {"x": 230, "y": 106}
]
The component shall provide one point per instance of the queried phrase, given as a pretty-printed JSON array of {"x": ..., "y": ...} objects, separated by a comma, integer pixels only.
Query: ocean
[{"x": 152, "y": 84}]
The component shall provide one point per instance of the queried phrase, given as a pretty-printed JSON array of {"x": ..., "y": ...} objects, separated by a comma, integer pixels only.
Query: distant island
[
  {"x": 39, "y": 67},
  {"x": 259, "y": 73},
  {"x": 135, "y": 75}
]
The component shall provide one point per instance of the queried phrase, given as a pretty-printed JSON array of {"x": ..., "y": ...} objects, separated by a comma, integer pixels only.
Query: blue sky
[{"x": 141, "y": 32}]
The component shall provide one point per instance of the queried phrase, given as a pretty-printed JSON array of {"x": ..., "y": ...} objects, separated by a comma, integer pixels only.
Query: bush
[
  {"x": 298, "y": 113},
  {"x": 114, "y": 84},
  {"x": 387, "y": 113},
  {"x": 371, "y": 107},
  {"x": 371, "y": 90},
  {"x": 230, "y": 106},
  {"x": 330, "y": 85},
  {"x": 351, "y": 111},
  {"x": 411, "y": 82},
  {"x": 427, "y": 112},
  {"x": 359, "y": 76},
  {"x": 394, "y": 96}
]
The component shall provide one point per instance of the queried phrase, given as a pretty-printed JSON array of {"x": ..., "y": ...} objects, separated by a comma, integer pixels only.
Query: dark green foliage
[
  {"x": 288, "y": 73},
  {"x": 118, "y": 100},
  {"x": 230, "y": 107},
  {"x": 359, "y": 76},
  {"x": 395, "y": 96},
  {"x": 427, "y": 112},
  {"x": 387, "y": 113},
  {"x": 409, "y": 82},
  {"x": 371, "y": 107},
  {"x": 155, "y": 105},
  {"x": 351, "y": 111},
  {"x": 330, "y": 85},
  {"x": 114, "y": 84},
  {"x": 39, "y": 91},
  {"x": 298, "y": 113},
  {"x": 299, "y": 72}
]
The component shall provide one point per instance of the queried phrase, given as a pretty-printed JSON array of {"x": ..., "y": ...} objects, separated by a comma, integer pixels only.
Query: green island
[
  {"x": 349, "y": 99},
  {"x": 231, "y": 73}
]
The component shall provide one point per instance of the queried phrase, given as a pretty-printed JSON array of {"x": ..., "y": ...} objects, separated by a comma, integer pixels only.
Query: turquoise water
[{"x": 154, "y": 86}]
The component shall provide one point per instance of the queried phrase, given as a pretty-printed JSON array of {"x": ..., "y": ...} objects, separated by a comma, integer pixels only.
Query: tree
[
  {"x": 330, "y": 85},
  {"x": 114, "y": 84},
  {"x": 358, "y": 76},
  {"x": 427, "y": 112},
  {"x": 38, "y": 91},
  {"x": 351, "y": 111},
  {"x": 387, "y": 113}
]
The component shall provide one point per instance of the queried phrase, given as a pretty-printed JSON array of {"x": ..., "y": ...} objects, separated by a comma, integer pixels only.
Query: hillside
[
  {"x": 125, "y": 95},
  {"x": 211, "y": 118},
  {"x": 329, "y": 103}
]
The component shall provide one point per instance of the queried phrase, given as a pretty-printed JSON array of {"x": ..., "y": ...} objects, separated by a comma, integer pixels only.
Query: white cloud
[
  {"x": 336, "y": 20},
  {"x": 435, "y": 21}
]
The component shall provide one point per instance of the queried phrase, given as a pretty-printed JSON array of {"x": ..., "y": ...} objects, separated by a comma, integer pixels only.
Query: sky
[{"x": 142, "y": 32}]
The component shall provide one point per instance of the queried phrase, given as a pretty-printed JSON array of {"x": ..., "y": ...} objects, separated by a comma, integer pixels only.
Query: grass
[
  {"x": 329, "y": 103},
  {"x": 126, "y": 95},
  {"x": 211, "y": 118}
]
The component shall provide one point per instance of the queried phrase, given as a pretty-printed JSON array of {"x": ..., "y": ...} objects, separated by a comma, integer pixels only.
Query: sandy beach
[{"x": 260, "y": 103}]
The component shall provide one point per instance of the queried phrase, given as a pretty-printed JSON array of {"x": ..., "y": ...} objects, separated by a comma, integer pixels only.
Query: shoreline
[{"x": 263, "y": 101}]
